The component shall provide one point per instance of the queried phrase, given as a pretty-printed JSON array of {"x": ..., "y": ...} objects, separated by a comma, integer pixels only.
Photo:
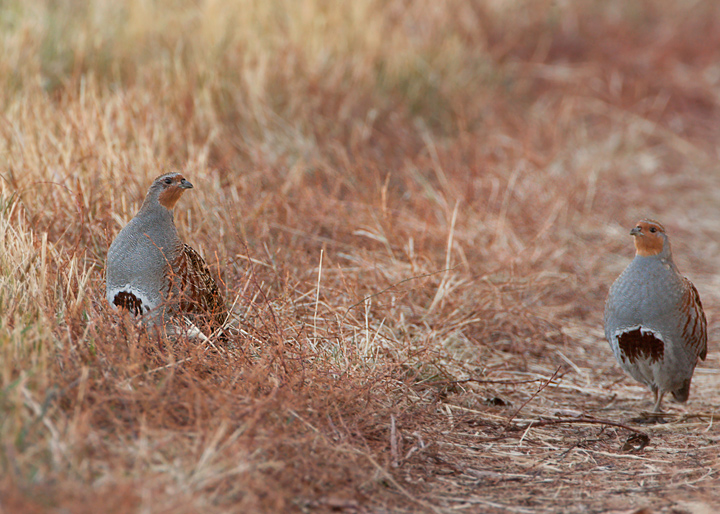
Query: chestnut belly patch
[
  {"x": 640, "y": 343},
  {"x": 129, "y": 301}
]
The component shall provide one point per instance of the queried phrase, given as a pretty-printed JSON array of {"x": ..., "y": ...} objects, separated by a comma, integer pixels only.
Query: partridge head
[{"x": 654, "y": 320}]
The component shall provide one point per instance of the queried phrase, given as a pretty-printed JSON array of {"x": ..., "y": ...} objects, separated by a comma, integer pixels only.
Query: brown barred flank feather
[
  {"x": 199, "y": 293},
  {"x": 695, "y": 328}
]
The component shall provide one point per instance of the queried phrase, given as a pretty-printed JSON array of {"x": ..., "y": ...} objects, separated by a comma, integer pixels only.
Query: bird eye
[
  {"x": 653, "y": 229},
  {"x": 168, "y": 181}
]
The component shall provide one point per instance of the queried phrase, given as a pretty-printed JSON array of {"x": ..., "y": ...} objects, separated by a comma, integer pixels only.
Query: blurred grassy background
[{"x": 468, "y": 169}]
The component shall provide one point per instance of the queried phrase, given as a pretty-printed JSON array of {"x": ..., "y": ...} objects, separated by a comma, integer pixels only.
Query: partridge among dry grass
[
  {"x": 654, "y": 319},
  {"x": 151, "y": 272}
]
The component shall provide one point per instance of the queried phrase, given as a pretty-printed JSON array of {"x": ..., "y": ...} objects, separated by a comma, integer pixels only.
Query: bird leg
[{"x": 658, "y": 399}]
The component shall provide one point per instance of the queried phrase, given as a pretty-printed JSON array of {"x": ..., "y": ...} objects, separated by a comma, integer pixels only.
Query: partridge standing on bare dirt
[
  {"x": 654, "y": 319},
  {"x": 151, "y": 271}
]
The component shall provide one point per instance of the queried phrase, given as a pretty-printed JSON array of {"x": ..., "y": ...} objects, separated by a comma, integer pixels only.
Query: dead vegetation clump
[{"x": 415, "y": 211}]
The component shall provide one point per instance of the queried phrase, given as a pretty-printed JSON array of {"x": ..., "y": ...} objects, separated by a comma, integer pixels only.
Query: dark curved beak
[
  {"x": 185, "y": 184},
  {"x": 636, "y": 231}
]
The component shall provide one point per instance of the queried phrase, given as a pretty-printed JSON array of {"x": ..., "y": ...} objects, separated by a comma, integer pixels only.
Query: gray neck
[
  {"x": 151, "y": 207},
  {"x": 664, "y": 258}
]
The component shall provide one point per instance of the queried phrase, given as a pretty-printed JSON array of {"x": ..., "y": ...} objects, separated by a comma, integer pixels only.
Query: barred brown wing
[
  {"x": 695, "y": 327},
  {"x": 199, "y": 292}
]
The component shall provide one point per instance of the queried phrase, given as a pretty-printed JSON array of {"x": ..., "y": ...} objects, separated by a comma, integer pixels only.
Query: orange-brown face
[
  {"x": 173, "y": 186},
  {"x": 649, "y": 237}
]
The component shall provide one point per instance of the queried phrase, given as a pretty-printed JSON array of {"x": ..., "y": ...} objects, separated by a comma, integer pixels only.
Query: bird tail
[{"x": 681, "y": 395}]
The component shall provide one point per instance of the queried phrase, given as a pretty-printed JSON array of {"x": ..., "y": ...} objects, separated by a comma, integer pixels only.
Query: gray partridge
[
  {"x": 654, "y": 319},
  {"x": 151, "y": 272}
]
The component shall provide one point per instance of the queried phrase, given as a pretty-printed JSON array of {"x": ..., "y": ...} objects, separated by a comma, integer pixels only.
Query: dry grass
[{"x": 417, "y": 209}]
